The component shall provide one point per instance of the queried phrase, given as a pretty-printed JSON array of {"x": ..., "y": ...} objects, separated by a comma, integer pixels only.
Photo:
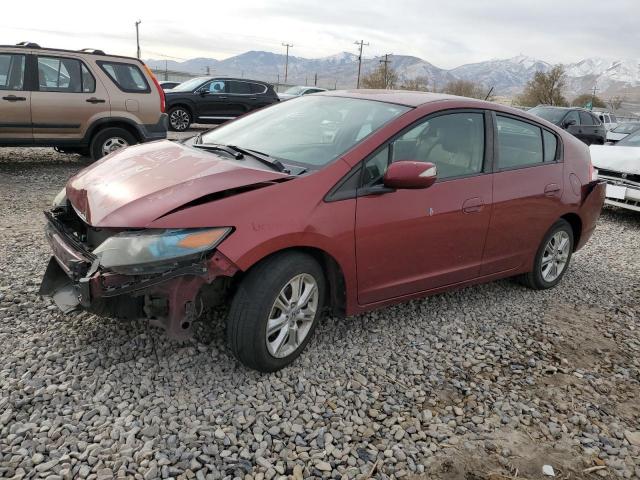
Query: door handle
[
  {"x": 472, "y": 205},
  {"x": 13, "y": 98},
  {"x": 222, "y": 98},
  {"x": 95, "y": 100},
  {"x": 552, "y": 189},
  {"x": 253, "y": 98}
]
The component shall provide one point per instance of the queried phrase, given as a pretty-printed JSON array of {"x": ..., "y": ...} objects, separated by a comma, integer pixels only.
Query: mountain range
[{"x": 507, "y": 76}]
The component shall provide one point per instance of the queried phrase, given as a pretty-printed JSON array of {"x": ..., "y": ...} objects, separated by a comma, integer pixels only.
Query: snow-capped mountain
[{"x": 506, "y": 76}]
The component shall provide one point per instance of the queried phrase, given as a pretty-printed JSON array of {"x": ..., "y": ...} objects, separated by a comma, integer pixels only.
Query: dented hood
[
  {"x": 617, "y": 158},
  {"x": 133, "y": 187}
]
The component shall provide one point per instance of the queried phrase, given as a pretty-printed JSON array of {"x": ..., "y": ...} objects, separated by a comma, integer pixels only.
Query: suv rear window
[
  {"x": 11, "y": 72},
  {"x": 126, "y": 76}
]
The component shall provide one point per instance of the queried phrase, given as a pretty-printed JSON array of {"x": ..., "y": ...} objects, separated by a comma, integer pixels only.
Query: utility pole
[
  {"x": 386, "y": 63},
  {"x": 138, "y": 37},
  {"x": 315, "y": 80},
  {"x": 362, "y": 44},
  {"x": 593, "y": 94},
  {"x": 166, "y": 71},
  {"x": 286, "y": 63}
]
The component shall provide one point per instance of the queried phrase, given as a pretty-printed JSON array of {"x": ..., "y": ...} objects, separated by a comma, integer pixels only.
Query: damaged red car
[{"x": 339, "y": 202}]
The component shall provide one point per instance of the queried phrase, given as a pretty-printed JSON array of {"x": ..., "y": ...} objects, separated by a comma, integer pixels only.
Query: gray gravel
[{"x": 491, "y": 380}]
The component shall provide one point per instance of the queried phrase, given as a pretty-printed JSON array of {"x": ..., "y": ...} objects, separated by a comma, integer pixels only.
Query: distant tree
[
  {"x": 418, "y": 84},
  {"x": 615, "y": 103},
  {"x": 381, "y": 77},
  {"x": 545, "y": 88},
  {"x": 585, "y": 99},
  {"x": 465, "y": 88}
]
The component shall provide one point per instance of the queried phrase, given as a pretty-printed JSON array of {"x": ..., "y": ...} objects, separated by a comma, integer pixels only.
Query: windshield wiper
[
  {"x": 220, "y": 148},
  {"x": 263, "y": 157}
]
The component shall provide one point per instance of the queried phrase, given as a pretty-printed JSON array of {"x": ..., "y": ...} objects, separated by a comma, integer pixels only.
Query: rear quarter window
[
  {"x": 258, "y": 88},
  {"x": 127, "y": 76}
]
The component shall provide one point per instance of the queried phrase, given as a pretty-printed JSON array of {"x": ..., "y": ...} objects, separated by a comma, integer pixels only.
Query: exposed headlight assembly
[
  {"x": 154, "y": 250},
  {"x": 60, "y": 200}
]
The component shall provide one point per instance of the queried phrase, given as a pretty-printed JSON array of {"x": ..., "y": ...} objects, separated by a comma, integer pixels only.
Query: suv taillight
[{"x": 159, "y": 87}]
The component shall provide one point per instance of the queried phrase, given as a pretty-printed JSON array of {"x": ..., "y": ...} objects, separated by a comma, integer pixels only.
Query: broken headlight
[
  {"x": 153, "y": 250},
  {"x": 60, "y": 200}
]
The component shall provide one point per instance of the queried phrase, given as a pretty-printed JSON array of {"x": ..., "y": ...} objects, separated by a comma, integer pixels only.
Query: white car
[
  {"x": 609, "y": 120},
  {"x": 294, "y": 92},
  {"x": 619, "y": 166},
  {"x": 621, "y": 131}
]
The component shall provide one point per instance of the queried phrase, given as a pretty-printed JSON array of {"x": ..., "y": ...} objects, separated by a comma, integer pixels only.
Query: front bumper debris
[{"x": 171, "y": 299}]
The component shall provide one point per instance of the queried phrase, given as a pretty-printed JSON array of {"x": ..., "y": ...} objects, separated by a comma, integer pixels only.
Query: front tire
[
  {"x": 179, "y": 119},
  {"x": 552, "y": 258},
  {"x": 109, "y": 140},
  {"x": 275, "y": 311}
]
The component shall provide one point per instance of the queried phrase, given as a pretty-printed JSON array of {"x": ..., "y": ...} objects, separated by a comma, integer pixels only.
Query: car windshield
[
  {"x": 626, "y": 128},
  {"x": 553, "y": 115},
  {"x": 632, "y": 140},
  {"x": 311, "y": 132},
  {"x": 190, "y": 85},
  {"x": 294, "y": 91}
]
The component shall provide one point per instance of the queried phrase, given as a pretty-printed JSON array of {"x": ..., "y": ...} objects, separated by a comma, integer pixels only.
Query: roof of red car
[{"x": 401, "y": 97}]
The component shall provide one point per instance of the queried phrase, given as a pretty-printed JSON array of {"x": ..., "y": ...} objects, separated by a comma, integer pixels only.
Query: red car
[{"x": 336, "y": 202}]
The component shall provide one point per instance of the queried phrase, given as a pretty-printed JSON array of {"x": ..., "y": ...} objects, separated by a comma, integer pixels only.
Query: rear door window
[
  {"x": 127, "y": 77},
  {"x": 66, "y": 75},
  {"x": 519, "y": 143},
  {"x": 12, "y": 71},
  {"x": 239, "y": 88}
]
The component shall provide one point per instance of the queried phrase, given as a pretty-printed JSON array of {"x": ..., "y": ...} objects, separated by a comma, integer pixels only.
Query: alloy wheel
[
  {"x": 292, "y": 315},
  {"x": 112, "y": 144},
  {"x": 180, "y": 119},
  {"x": 555, "y": 256}
]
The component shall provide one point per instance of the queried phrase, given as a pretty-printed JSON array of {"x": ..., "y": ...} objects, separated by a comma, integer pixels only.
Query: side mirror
[
  {"x": 410, "y": 174},
  {"x": 568, "y": 123}
]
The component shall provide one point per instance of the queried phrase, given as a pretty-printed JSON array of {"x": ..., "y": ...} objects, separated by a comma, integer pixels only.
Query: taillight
[
  {"x": 593, "y": 172},
  {"x": 159, "y": 87}
]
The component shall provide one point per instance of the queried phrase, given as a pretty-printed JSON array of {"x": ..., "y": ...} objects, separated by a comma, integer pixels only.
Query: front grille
[{"x": 620, "y": 177}]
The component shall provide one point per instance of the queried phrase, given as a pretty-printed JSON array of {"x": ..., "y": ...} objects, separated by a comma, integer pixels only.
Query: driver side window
[
  {"x": 454, "y": 142},
  {"x": 217, "y": 86}
]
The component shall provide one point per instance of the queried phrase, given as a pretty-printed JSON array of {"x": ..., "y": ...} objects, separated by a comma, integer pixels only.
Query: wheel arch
[
  {"x": 125, "y": 124},
  {"x": 333, "y": 272}
]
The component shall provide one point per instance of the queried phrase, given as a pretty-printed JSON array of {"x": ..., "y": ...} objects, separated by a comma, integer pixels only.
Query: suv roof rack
[
  {"x": 95, "y": 51},
  {"x": 27, "y": 45}
]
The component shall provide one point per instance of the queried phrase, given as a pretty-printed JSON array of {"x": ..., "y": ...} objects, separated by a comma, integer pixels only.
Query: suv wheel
[
  {"x": 179, "y": 119},
  {"x": 275, "y": 311},
  {"x": 109, "y": 140},
  {"x": 552, "y": 258}
]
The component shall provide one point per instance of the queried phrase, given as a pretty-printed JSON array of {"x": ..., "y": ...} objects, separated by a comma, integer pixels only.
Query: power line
[
  {"x": 286, "y": 63},
  {"x": 362, "y": 44}
]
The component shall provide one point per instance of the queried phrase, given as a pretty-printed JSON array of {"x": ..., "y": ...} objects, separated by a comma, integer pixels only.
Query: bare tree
[
  {"x": 545, "y": 88},
  {"x": 465, "y": 88},
  {"x": 381, "y": 77},
  {"x": 587, "y": 98},
  {"x": 419, "y": 84},
  {"x": 615, "y": 103}
]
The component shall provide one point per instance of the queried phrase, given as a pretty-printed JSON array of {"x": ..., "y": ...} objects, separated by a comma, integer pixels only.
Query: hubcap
[
  {"x": 179, "y": 119},
  {"x": 112, "y": 144},
  {"x": 292, "y": 315},
  {"x": 555, "y": 256}
]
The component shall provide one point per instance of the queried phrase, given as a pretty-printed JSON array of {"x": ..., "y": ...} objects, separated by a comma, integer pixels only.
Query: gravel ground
[{"x": 488, "y": 383}]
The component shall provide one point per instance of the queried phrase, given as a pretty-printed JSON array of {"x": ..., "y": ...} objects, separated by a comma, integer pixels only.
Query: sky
[{"x": 447, "y": 33}]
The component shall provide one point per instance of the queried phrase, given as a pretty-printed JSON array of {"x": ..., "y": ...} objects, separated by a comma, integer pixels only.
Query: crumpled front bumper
[{"x": 75, "y": 280}]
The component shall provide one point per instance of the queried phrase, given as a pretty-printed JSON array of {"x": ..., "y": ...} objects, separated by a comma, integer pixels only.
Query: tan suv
[{"x": 82, "y": 101}]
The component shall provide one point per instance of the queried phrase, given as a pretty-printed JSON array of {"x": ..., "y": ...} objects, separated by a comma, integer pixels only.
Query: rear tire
[
  {"x": 552, "y": 258},
  {"x": 179, "y": 119},
  {"x": 256, "y": 308},
  {"x": 109, "y": 140}
]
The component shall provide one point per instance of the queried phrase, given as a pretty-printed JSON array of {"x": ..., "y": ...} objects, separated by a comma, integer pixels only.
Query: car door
[
  {"x": 589, "y": 127},
  {"x": 212, "y": 101},
  {"x": 241, "y": 99},
  {"x": 572, "y": 124},
  {"x": 67, "y": 99},
  {"x": 15, "y": 100},
  {"x": 527, "y": 187},
  {"x": 409, "y": 241}
]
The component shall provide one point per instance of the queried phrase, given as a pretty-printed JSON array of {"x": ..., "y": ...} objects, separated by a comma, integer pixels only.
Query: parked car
[
  {"x": 578, "y": 122},
  {"x": 607, "y": 119},
  {"x": 413, "y": 194},
  {"x": 215, "y": 100},
  {"x": 619, "y": 166},
  {"x": 621, "y": 131},
  {"x": 168, "y": 85},
  {"x": 82, "y": 101},
  {"x": 294, "y": 92}
]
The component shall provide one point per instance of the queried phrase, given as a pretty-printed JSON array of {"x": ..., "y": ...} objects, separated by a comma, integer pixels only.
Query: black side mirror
[{"x": 568, "y": 123}]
